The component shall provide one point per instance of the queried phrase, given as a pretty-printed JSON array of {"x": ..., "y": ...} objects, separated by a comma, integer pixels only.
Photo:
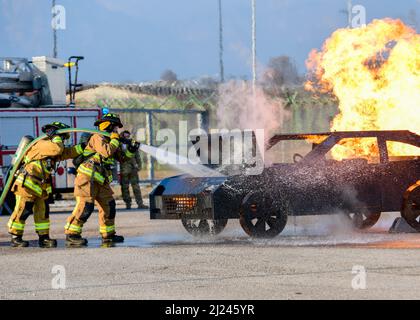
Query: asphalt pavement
[{"x": 315, "y": 258}]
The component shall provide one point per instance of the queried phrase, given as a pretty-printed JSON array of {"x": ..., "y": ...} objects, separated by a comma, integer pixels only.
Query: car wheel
[
  {"x": 410, "y": 210},
  {"x": 204, "y": 227},
  {"x": 9, "y": 204},
  {"x": 262, "y": 217},
  {"x": 363, "y": 221}
]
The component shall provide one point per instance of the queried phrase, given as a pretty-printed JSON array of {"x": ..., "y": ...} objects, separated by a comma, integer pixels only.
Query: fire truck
[{"x": 32, "y": 94}]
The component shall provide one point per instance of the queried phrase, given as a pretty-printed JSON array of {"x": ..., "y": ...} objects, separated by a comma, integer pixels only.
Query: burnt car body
[{"x": 312, "y": 185}]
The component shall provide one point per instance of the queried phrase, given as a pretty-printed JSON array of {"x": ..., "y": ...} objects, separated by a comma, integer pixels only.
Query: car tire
[
  {"x": 363, "y": 221},
  {"x": 410, "y": 210},
  {"x": 204, "y": 227},
  {"x": 263, "y": 217}
]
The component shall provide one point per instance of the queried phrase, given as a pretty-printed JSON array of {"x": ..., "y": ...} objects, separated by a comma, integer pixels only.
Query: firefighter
[
  {"x": 92, "y": 183},
  {"x": 32, "y": 187},
  {"x": 130, "y": 175}
]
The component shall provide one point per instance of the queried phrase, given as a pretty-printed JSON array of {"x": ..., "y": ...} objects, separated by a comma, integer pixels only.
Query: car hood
[{"x": 185, "y": 184}]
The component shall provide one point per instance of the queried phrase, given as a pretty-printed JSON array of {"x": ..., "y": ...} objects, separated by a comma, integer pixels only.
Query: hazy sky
[{"x": 135, "y": 40}]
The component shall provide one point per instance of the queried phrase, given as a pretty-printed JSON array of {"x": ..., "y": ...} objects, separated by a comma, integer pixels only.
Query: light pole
[
  {"x": 349, "y": 12},
  {"x": 54, "y": 33},
  {"x": 254, "y": 47},
  {"x": 222, "y": 72}
]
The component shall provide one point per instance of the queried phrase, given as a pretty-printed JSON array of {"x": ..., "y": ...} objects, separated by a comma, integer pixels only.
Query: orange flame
[{"x": 374, "y": 71}]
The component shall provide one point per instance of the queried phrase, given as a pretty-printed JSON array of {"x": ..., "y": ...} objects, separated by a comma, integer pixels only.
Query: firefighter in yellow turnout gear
[
  {"x": 32, "y": 186},
  {"x": 92, "y": 183}
]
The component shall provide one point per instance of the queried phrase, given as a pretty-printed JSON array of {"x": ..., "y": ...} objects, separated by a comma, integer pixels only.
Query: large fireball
[{"x": 374, "y": 71}]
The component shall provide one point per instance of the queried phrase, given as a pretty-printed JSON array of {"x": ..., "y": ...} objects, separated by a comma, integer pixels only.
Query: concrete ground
[{"x": 312, "y": 259}]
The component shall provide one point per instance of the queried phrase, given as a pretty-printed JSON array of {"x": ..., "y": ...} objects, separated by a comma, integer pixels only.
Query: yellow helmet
[
  {"x": 107, "y": 120},
  {"x": 56, "y": 126}
]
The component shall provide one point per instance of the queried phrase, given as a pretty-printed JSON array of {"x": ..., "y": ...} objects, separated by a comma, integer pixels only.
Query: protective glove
[
  {"x": 134, "y": 146},
  {"x": 115, "y": 135},
  {"x": 125, "y": 141}
]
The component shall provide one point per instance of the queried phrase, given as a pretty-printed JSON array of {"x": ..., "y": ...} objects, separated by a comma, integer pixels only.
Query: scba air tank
[{"x": 24, "y": 142}]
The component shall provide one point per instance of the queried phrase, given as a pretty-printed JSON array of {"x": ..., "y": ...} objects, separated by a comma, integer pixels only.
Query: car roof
[{"x": 386, "y": 134}]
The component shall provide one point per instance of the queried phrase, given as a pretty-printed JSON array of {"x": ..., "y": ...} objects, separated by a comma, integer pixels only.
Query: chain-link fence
[{"x": 146, "y": 109}]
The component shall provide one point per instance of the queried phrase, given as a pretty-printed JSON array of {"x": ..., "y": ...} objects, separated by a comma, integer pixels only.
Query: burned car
[{"x": 359, "y": 174}]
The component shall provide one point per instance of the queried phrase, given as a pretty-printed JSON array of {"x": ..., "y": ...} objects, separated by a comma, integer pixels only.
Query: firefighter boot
[
  {"x": 75, "y": 240},
  {"x": 128, "y": 206},
  {"x": 17, "y": 241},
  {"x": 143, "y": 206},
  {"x": 113, "y": 239},
  {"x": 45, "y": 241}
]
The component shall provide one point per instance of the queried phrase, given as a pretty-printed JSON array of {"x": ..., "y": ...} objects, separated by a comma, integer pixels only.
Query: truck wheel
[
  {"x": 204, "y": 227},
  {"x": 410, "y": 210},
  {"x": 363, "y": 221},
  {"x": 9, "y": 204},
  {"x": 261, "y": 217}
]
